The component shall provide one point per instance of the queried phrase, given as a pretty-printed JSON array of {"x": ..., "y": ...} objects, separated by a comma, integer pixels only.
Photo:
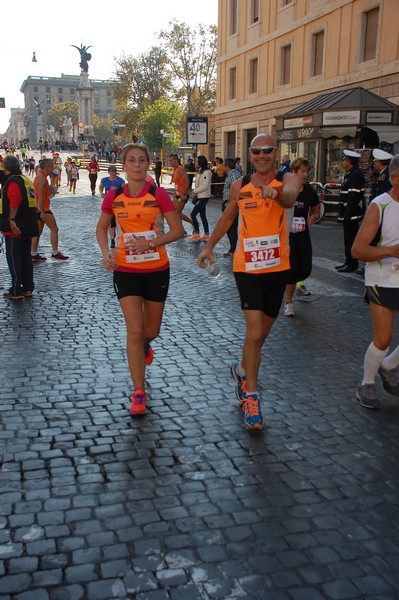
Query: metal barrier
[{"x": 329, "y": 194}]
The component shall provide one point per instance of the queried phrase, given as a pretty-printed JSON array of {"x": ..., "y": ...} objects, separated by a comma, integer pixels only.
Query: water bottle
[{"x": 211, "y": 268}]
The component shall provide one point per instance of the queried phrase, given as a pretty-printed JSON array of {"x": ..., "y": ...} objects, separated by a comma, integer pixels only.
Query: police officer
[
  {"x": 381, "y": 163},
  {"x": 352, "y": 198}
]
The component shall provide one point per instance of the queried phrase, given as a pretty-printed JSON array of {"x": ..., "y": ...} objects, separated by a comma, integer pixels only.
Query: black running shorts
[
  {"x": 262, "y": 292},
  {"x": 386, "y": 297},
  {"x": 149, "y": 286}
]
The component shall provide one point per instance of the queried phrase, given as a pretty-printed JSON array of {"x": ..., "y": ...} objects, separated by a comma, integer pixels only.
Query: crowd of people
[{"x": 266, "y": 216}]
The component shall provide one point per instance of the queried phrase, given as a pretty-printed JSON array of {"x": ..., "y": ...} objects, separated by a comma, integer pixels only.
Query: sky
[{"x": 131, "y": 27}]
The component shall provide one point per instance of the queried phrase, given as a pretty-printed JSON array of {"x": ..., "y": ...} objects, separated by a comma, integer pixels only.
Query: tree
[
  {"x": 139, "y": 82},
  {"x": 59, "y": 111},
  {"x": 103, "y": 128},
  {"x": 192, "y": 61},
  {"x": 162, "y": 114}
]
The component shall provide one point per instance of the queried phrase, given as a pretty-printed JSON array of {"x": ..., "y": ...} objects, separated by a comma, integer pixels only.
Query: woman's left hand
[{"x": 137, "y": 244}]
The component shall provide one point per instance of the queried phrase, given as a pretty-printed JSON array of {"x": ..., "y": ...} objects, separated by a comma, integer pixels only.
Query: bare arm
[
  {"x": 361, "y": 248},
  {"x": 176, "y": 231},
  {"x": 41, "y": 184},
  {"x": 290, "y": 190},
  {"x": 102, "y": 239}
]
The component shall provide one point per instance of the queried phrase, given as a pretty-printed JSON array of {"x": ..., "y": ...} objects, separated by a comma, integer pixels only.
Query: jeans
[
  {"x": 20, "y": 264},
  {"x": 200, "y": 207}
]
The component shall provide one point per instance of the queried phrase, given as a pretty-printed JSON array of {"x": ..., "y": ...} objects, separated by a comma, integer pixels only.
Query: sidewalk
[{"x": 185, "y": 503}]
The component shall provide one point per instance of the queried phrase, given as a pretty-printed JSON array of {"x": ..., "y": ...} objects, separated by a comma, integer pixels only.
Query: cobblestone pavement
[{"x": 185, "y": 503}]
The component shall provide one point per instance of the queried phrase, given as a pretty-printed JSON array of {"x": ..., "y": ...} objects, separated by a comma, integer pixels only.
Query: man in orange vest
[{"x": 261, "y": 260}]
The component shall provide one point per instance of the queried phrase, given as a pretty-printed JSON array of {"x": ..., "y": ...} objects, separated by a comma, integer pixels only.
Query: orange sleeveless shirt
[
  {"x": 141, "y": 217},
  {"x": 263, "y": 235},
  {"x": 46, "y": 192}
]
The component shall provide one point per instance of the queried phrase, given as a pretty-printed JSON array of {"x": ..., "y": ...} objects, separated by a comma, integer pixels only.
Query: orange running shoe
[
  {"x": 252, "y": 416},
  {"x": 195, "y": 238},
  {"x": 149, "y": 355},
  {"x": 139, "y": 398}
]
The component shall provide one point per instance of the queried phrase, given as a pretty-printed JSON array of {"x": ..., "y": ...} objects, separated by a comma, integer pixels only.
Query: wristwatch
[{"x": 151, "y": 245}]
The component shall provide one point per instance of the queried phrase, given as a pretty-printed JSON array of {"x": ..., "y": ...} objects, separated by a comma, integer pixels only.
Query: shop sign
[
  {"x": 349, "y": 117},
  {"x": 379, "y": 117},
  {"x": 303, "y": 133},
  {"x": 298, "y": 122}
]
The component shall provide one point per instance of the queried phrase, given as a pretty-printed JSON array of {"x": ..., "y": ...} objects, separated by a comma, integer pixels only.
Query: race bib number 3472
[{"x": 262, "y": 252}]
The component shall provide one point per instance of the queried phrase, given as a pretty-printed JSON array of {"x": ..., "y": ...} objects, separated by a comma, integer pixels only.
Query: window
[
  {"x": 108, "y": 93},
  {"x": 369, "y": 33},
  {"x": 253, "y": 76},
  {"x": 317, "y": 53},
  {"x": 72, "y": 91},
  {"x": 285, "y": 67},
  {"x": 60, "y": 99},
  {"x": 48, "y": 90},
  {"x": 35, "y": 88},
  {"x": 233, "y": 17},
  {"x": 231, "y": 143},
  {"x": 232, "y": 83},
  {"x": 60, "y": 91},
  {"x": 285, "y": 2},
  {"x": 254, "y": 11}
]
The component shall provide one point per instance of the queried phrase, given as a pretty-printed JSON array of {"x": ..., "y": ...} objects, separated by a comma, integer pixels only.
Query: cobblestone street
[{"x": 185, "y": 503}]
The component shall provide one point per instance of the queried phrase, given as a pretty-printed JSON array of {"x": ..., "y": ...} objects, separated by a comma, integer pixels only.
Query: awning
[
  {"x": 386, "y": 133},
  {"x": 340, "y": 132}
]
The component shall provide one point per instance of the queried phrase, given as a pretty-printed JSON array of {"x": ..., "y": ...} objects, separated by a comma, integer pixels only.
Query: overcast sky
[{"x": 110, "y": 28}]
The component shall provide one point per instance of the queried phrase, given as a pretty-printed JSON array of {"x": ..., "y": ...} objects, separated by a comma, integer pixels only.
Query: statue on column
[{"x": 84, "y": 57}]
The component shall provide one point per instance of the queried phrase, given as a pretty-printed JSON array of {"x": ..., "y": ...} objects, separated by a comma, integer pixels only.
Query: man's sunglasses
[{"x": 263, "y": 149}]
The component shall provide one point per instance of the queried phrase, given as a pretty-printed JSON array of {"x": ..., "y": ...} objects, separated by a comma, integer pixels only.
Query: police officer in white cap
[
  {"x": 352, "y": 198},
  {"x": 381, "y": 164}
]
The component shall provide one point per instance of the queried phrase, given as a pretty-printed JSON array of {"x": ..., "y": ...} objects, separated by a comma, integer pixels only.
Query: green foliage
[
  {"x": 103, "y": 127},
  {"x": 59, "y": 111},
  {"x": 162, "y": 114}
]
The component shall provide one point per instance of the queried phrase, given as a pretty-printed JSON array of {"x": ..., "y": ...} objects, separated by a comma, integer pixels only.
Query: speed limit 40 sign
[{"x": 197, "y": 130}]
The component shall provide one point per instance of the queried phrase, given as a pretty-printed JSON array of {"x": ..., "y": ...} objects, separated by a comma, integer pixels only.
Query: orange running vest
[
  {"x": 263, "y": 235},
  {"x": 141, "y": 217}
]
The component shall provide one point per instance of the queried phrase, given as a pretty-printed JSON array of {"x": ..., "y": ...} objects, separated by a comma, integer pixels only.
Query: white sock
[
  {"x": 372, "y": 362},
  {"x": 240, "y": 370},
  {"x": 251, "y": 394},
  {"x": 391, "y": 361}
]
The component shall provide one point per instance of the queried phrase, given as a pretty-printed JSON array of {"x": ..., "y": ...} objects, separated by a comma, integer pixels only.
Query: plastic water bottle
[{"x": 211, "y": 268}]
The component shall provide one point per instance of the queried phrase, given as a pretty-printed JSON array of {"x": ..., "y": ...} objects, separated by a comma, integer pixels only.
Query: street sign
[
  {"x": 197, "y": 130},
  {"x": 168, "y": 135},
  {"x": 81, "y": 124}
]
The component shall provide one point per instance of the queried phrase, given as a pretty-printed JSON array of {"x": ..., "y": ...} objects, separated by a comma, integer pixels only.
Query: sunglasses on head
[{"x": 263, "y": 149}]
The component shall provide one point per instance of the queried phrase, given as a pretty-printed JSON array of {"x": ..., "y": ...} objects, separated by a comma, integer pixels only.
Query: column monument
[{"x": 85, "y": 93}]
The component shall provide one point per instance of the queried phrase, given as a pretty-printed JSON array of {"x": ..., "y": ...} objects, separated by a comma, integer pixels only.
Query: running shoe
[
  {"x": 252, "y": 416},
  {"x": 194, "y": 238},
  {"x": 149, "y": 355},
  {"x": 11, "y": 296},
  {"x": 302, "y": 290},
  {"x": 205, "y": 238},
  {"x": 389, "y": 379},
  {"x": 367, "y": 397},
  {"x": 289, "y": 310},
  {"x": 241, "y": 383},
  {"x": 59, "y": 256},
  {"x": 138, "y": 405},
  {"x": 38, "y": 258}
]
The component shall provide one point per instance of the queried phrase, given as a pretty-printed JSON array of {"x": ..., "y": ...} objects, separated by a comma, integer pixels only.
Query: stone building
[
  {"x": 42, "y": 93},
  {"x": 276, "y": 57}
]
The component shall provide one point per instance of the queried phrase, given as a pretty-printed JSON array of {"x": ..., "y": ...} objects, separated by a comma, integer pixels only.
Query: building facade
[
  {"x": 43, "y": 93},
  {"x": 276, "y": 56}
]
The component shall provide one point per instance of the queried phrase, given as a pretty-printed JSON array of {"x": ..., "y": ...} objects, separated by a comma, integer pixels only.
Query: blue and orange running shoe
[
  {"x": 149, "y": 354},
  {"x": 138, "y": 406},
  {"x": 241, "y": 383},
  {"x": 252, "y": 416}
]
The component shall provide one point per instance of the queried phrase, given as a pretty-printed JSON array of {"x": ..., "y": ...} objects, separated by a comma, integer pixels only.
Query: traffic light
[
  {"x": 82, "y": 138},
  {"x": 116, "y": 128}
]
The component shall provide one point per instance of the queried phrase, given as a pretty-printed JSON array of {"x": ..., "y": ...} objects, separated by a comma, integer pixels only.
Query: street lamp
[{"x": 34, "y": 57}]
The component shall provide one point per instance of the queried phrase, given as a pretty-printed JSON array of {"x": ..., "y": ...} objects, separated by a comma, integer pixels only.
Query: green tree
[
  {"x": 162, "y": 114},
  {"x": 59, "y": 111},
  {"x": 191, "y": 56},
  {"x": 103, "y": 128}
]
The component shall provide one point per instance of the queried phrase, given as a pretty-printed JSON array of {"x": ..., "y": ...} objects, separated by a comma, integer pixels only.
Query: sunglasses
[{"x": 264, "y": 149}]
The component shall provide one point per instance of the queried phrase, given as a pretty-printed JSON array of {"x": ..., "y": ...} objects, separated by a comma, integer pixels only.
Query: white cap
[
  {"x": 352, "y": 154},
  {"x": 381, "y": 154}
]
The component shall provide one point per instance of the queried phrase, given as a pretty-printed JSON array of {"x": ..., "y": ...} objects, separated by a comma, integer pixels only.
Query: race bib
[
  {"x": 262, "y": 252},
  {"x": 298, "y": 224},
  {"x": 132, "y": 256}
]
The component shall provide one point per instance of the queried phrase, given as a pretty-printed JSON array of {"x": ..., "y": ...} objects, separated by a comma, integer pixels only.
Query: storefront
[{"x": 322, "y": 128}]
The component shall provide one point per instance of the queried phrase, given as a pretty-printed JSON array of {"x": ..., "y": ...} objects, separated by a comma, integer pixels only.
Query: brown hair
[
  {"x": 300, "y": 162},
  {"x": 133, "y": 146}
]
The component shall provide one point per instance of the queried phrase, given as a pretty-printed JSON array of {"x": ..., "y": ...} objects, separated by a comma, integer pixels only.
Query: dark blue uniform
[{"x": 352, "y": 197}]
